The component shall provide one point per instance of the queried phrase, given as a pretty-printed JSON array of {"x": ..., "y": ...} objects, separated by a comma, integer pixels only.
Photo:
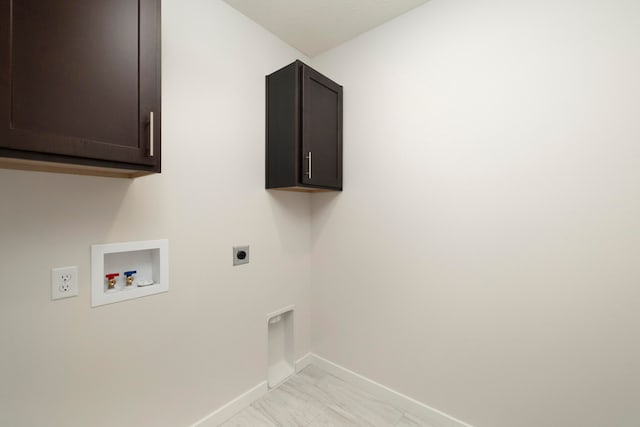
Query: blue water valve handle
[{"x": 129, "y": 276}]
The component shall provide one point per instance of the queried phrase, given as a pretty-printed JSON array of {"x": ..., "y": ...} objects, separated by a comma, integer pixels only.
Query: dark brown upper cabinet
[
  {"x": 80, "y": 86},
  {"x": 304, "y": 130}
]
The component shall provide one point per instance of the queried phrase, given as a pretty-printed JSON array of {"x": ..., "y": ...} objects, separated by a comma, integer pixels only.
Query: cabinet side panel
[{"x": 282, "y": 133}]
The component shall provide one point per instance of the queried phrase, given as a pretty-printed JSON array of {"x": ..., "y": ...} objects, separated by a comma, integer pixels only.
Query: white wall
[
  {"x": 170, "y": 359},
  {"x": 484, "y": 255}
]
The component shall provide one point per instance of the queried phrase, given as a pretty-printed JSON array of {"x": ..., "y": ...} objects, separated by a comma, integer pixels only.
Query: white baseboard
[
  {"x": 303, "y": 362},
  {"x": 382, "y": 392},
  {"x": 395, "y": 398},
  {"x": 227, "y": 411}
]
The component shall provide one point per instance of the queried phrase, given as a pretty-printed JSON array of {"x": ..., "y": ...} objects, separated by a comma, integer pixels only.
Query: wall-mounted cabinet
[
  {"x": 80, "y": 86},
  {"x": 304, "y": 130}
]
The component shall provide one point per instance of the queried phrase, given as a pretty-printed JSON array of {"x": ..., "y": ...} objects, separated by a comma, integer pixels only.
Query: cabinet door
[
  {"x": 321, "y": 130},
  {"x": 80, "y": 78}
]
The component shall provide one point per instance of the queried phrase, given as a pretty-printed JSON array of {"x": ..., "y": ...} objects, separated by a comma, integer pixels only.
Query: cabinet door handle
[
  {"x": 309, "y": 157},
  {"x": 151, "y": 134}
]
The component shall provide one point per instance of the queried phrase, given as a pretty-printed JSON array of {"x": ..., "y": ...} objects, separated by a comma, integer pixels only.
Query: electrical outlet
[
  {"x": 64, "y": 282},
  {"x": 240, "y": 255}
]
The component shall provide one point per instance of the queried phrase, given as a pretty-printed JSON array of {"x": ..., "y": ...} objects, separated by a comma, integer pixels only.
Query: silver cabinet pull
[
  {"x": 151, "y": 134},
  {"x": 309, "y": 157}
]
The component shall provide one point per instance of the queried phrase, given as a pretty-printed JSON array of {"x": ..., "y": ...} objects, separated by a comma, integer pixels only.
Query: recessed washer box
[{"x": 149, "y": 260}]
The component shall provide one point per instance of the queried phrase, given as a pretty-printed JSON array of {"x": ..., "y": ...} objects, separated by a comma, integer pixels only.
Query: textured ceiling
[{"x": 313, "y": 26}]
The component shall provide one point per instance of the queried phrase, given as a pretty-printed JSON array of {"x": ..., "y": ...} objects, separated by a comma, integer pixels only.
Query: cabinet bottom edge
[
  {"x": 304, "y": 189},
  {"x": 53, "y": 167}
]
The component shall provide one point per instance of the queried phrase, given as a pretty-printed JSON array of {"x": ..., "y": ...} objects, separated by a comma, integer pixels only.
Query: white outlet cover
[{"x": 64, "y": 282}]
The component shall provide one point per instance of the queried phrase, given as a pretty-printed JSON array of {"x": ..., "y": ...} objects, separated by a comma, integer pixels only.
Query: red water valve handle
[{"x": 112, "y": 275}]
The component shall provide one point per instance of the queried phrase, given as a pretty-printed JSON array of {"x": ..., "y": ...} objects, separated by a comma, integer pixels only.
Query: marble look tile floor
[{"x": 314, "y": 398}]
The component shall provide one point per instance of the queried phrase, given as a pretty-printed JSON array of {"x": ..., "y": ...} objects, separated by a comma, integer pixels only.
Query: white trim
[
  {"x": 399, "y": 400},
  {"x": 241, "y": 402},
  {"x": 227, "y": 411},
  {"x": 304, "y": 361},
  {"x": 382, "y": 392},
  {"x": 281, "y": 311}
]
